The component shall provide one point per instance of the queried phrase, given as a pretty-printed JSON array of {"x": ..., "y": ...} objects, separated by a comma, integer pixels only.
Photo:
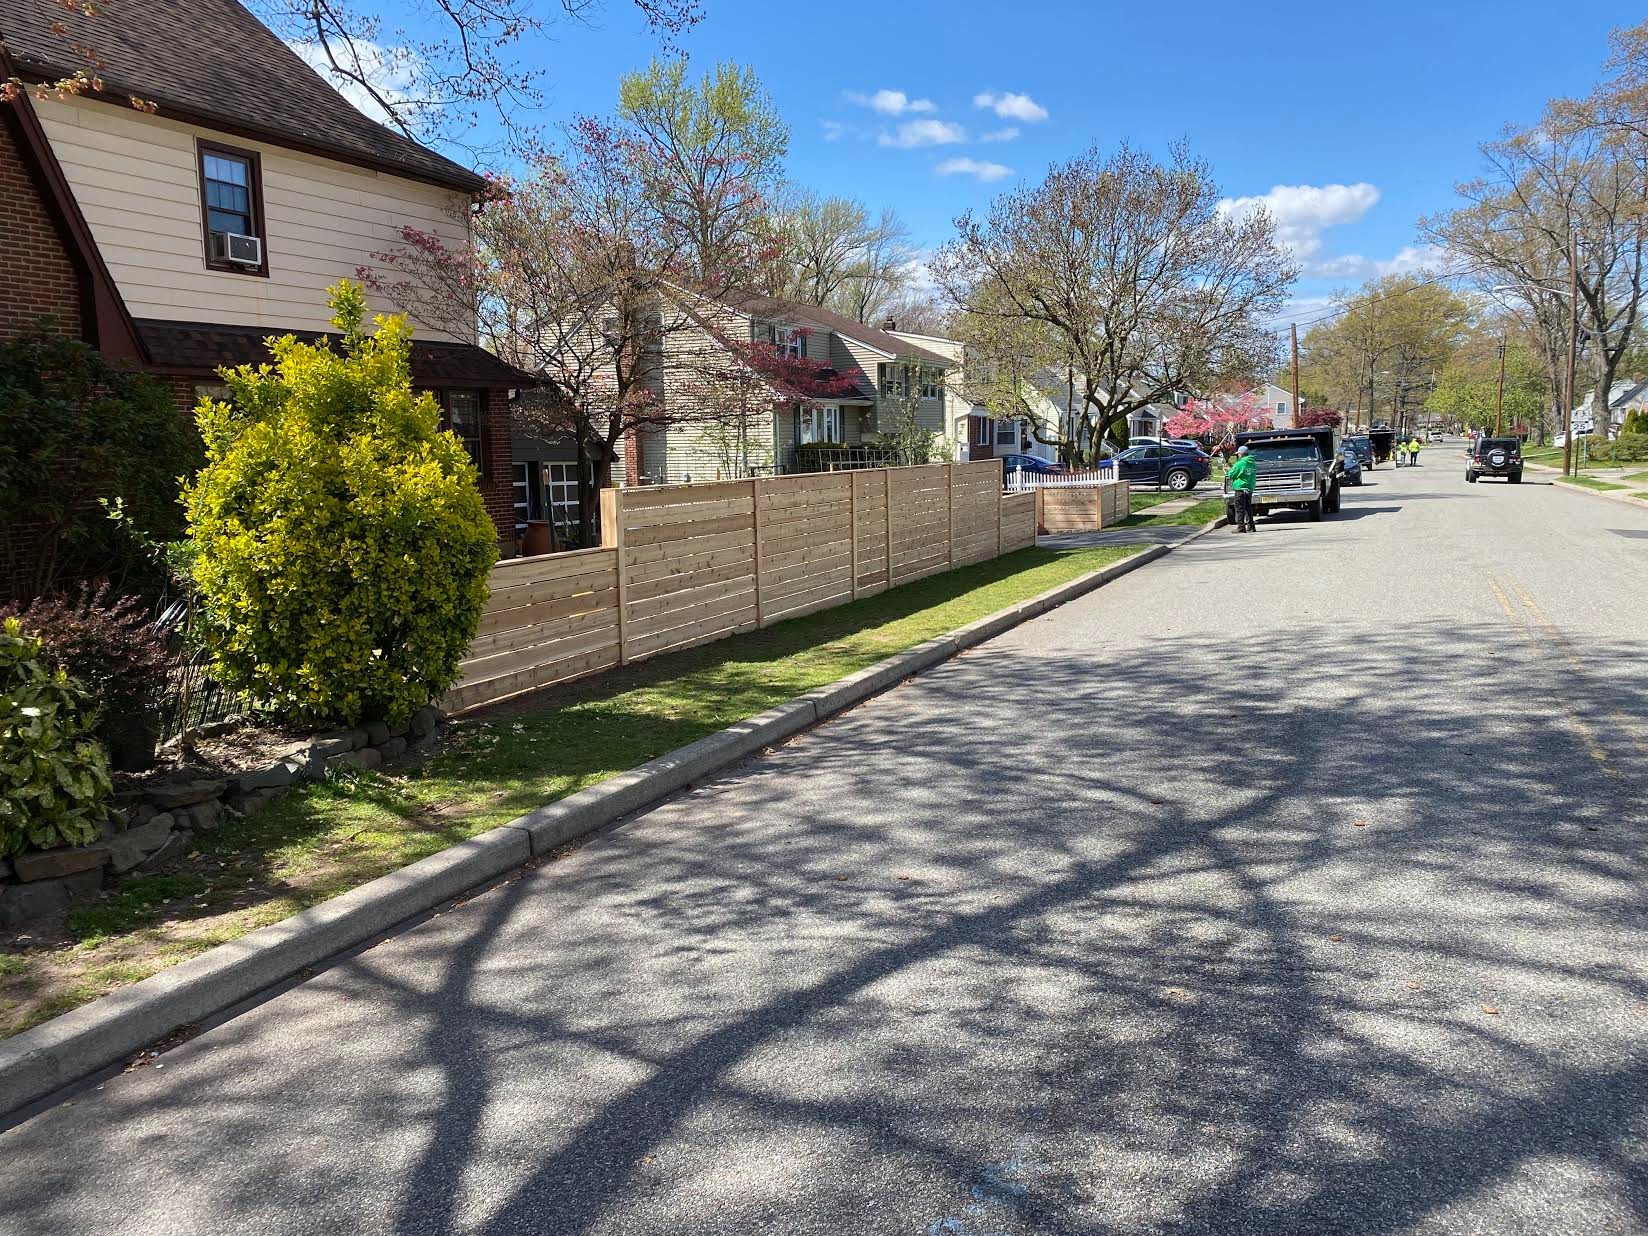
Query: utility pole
[
  {"x": 1499, "y": 400},
  {"x": 1573, "y": 351},
  {"x": 1293, "y": 330}
]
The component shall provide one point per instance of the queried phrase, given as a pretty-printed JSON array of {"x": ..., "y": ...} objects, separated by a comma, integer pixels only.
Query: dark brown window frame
[
  {"x": 443, "y": 397},
  {"x": 254, "y": 165}
]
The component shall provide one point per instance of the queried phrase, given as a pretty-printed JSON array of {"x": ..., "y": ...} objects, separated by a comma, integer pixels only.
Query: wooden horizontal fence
[
  {"x": 681, "y": 565},
  {"x": 1084, "y": 508}
]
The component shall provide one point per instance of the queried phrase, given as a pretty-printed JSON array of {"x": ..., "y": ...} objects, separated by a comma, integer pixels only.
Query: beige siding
[{"x": 135, "y": 177}]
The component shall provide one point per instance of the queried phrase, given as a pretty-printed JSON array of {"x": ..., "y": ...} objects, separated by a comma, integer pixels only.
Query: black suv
[{"x": 1495, "y": 457}]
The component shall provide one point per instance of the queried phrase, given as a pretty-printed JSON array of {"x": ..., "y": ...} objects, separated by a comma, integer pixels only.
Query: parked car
[
  {"x": 1350, "y": 466},
  {"x": 1028, "y": 463},
  {"x": 1495, "y": 457},
  {"x": 1178, "y": 468},
  {"x": 1363, "y": 446}
]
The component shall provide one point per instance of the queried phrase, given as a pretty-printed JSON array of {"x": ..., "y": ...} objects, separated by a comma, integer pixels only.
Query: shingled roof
[
  {"x": 772, "y": 308},
  {"x": 201, "y": 348},
  {"x": 210, "y": 62}
]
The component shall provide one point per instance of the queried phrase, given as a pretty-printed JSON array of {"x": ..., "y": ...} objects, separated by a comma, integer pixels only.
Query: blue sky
[{"x": 1365, "y": 114}]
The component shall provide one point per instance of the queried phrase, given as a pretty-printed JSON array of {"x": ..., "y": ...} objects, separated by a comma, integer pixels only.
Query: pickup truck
[{"x": 1294, "y": 468}]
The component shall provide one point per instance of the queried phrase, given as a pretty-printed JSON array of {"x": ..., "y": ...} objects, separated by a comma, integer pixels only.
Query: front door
[{"x": 979, "y": 444}]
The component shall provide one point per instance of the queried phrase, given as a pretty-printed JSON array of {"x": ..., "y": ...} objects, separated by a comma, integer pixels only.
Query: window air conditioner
[{"x": 233, "y": 247}]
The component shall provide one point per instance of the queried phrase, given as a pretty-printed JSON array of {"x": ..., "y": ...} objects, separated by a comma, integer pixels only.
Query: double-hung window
[
  {"x": 787, "y": 341},
  {"x": 463, "y": 417},
  {"x": 231, "y": 204},
  {"x": 1007, "y": 433}
]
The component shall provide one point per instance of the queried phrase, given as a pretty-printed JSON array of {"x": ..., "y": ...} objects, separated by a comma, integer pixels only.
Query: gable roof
[
  {"x": 105, "y": 322},
  {"x": 210, "y": 62},
  {"x": 773, "y": 308}
]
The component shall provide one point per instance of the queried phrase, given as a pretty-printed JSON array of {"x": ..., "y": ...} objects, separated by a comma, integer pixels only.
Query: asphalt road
[{"x": 1294, "y": 884}]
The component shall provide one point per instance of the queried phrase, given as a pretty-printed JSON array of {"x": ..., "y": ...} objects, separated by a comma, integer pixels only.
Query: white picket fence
[{"x": 1019, "y": 481}]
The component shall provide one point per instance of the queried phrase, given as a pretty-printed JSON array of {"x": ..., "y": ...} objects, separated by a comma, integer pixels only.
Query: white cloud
[
  {"x": 976, "y": 168},
  {"x": 392, "y": 71},
  {"x": 1006, "y": 134},
  {"x": 891, "y": 102},
  {"x": 1010, "y": 106},
  {"x": 914, "y": 133},
  {"x": 834, "y": 130},
  {"x": 1301, "y": 212},
  {"x": 1408, "y": 259}
]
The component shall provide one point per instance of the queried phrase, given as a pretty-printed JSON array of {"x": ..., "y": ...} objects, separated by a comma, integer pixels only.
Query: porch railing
[{"x": 841, "y": 458}]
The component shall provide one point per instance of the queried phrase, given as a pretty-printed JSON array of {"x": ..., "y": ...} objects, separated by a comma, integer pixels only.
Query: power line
[{"x": 1450, "y": 277}]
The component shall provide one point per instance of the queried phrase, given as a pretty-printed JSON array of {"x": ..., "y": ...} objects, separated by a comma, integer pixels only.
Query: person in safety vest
[
  {"x": 1241, "y": 477},
  {"x": 1413, "y": 452}
]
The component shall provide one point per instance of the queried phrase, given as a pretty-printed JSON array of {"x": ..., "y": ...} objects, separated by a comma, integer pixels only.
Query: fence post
[
  {"x": 1002, "y": 481},
  {"x": 887, "y": 477},
  {"x": 950, "y": 497},
  {"x": 852, "y": 525},
  {"x": 756, "y": 490},
  {"x": 612, "y": 533}
]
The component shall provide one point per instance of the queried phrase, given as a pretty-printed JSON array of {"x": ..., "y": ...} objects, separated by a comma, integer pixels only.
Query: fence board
[{"x": 686, "y": 564}]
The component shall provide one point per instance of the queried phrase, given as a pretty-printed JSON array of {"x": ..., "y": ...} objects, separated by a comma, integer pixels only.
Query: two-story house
[
  {"x": 182, "y": 236},
  {"x": 867, "y": 376}
]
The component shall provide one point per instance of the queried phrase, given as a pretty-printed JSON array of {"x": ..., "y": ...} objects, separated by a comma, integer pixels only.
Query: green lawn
[
  {"x": 1542, "y": 454},
  {"x": 1206, "y": 509},
  {"x": 1590, "y": 482},
  {"x": 1636, "y": 478},
  {"x": 1140, "y": 500},
  {"x": 328, "y": 837}
]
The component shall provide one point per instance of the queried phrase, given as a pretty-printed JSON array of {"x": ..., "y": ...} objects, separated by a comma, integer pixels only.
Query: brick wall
[
  {"x": 498, "y": 473},
  {"x": 36, "y": 277}
]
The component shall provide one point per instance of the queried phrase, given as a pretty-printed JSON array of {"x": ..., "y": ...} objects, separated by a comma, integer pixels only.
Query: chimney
[{"x": 890, "y": 324}]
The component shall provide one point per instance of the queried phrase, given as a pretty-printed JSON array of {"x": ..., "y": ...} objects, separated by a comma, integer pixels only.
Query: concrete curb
[{"x": 37, "y": 1063}]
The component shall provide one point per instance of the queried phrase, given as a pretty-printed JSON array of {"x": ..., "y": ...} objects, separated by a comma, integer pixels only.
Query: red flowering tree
[
  {"x": 1216, "y": 421},
  {"x": 1311, "y": 418}
]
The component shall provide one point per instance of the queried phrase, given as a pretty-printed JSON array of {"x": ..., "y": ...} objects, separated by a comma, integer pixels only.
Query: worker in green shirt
[
  {"x": 1240, "y": 475},
  {"x": 1413, "y": 453}
]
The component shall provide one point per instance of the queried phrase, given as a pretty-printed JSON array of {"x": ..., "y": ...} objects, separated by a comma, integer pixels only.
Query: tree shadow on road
[{"x": 1044, "y": 941}]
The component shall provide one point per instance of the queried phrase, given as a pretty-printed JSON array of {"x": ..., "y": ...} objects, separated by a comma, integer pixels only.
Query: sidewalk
[{"x": 1135, "y": 534}]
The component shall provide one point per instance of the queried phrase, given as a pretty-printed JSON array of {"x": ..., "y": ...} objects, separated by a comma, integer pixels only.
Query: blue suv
[{"x": 1179, "y": 468}]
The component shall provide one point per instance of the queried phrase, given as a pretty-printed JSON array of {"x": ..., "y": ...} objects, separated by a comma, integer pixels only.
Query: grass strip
[
  {"x": 325, "y": 838},
  {"x": 1590, "y": 482}
]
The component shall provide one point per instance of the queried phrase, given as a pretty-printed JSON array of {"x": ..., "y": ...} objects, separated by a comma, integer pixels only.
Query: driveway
[{"x": 1294, "y": 884}]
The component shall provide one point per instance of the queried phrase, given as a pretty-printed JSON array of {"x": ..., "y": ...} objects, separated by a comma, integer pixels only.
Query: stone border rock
[
  {"x": 37, "y": 1063},
  {"x": 158, "y": 821}
]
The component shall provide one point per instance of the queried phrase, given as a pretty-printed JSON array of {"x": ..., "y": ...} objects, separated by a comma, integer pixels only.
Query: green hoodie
[{"x": 1240, "y": 473}]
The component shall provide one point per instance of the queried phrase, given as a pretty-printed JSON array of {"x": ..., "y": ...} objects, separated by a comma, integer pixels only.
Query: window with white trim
[
  {"x": 787, "y": 341},
  {"x": 1006, "y": 433},
  {"x": 819, "y": 424}
]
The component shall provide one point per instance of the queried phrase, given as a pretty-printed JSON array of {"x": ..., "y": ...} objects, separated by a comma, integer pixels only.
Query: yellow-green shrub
[{"x": 343, "y": 546}]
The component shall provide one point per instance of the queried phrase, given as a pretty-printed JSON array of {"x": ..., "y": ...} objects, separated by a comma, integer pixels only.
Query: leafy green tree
[
  {"x": 343, "y": 547},
  {"x": 1467, "y": 388},
  {"x": 712, "y": 153}
]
